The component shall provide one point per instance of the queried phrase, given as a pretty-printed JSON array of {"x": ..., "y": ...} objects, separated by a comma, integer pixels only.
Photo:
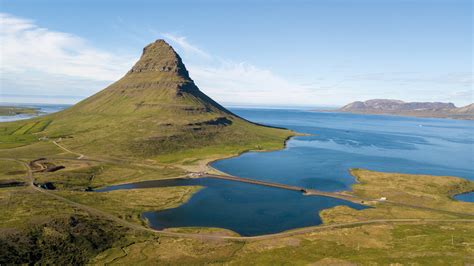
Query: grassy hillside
[
  {"x": 155, "y": 111},
  {"x": 153, "y": 124}
]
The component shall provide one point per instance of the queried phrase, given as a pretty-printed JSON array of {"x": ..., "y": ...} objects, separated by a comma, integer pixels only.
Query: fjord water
[
  {"x": 341, "y": 141},
  {"x": 42, "y": 110},
  {"x": 320, "y": 161},
  {"x": 247, "y": 209},
  {"x": 468, "y": 197}
]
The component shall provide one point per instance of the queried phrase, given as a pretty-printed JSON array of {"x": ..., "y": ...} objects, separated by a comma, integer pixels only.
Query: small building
[
  {"x": 383, "y": 199},
  {"x": 196, "y": 174}
]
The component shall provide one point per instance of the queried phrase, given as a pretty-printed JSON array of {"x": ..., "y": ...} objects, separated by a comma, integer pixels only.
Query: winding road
[
  {"x": 80, "y": 156},
  {"x": 133, "y": 226},
  {"x": 200, "y": 236}
]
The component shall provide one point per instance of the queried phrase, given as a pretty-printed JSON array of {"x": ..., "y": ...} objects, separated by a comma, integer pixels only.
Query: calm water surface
[
  {"x": 469, "y": 197},
  {"x": 321, "y": 161},
  {"x": 342, "y": 141},
  {"x": 43, "y": 109},
  {"x": 244, "y": 208}
]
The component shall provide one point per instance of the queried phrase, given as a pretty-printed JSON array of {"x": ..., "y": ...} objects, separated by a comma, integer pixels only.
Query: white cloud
[
  {"x": 238, "y": 82},
  {"x": 52, "y": 56},
  {"x": 185, "y": 45},
  {"x": 36, "y": 61},
  {"x": 232, "y": 82},
  {"x": 40, "y": 61}
]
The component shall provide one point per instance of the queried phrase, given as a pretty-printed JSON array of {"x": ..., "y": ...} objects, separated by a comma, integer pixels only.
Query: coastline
[
  {"x": 285, "y": 144},
  {"x": 459, "y": 194},
  {"x": 469, "y": 118}
]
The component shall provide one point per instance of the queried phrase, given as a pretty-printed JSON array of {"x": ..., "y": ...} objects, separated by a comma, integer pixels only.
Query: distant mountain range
[{"x": 420, "y": 109}]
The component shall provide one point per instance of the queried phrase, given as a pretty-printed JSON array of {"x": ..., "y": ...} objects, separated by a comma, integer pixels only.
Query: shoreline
[
  {"x": 296, "y": 230},
  {"x": 285, "y": 144},
  {"x": 470, "y": 118},
  {"x": 459, "y": 194}
]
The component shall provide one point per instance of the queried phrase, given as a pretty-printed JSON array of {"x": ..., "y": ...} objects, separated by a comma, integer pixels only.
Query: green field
[
  {"x": 442, "y": 233},
  {"x": 155, "y": 123}
]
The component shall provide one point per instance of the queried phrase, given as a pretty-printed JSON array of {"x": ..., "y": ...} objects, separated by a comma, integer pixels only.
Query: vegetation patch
[
  {"x": 81, "y": 175},
  {"x": 67, "y": 240},
  {"x": 40, "y": 126},
  {"x": 130, "y": 204}
]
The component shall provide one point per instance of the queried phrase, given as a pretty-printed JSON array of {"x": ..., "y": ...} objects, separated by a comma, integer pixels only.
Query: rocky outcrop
[
  {"x": 159, "y": 56},
  {"x": 468, "y": 109}
]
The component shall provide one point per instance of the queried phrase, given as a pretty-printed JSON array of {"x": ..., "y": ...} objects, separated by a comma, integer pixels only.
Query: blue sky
[{"x": 292, "y": 53}]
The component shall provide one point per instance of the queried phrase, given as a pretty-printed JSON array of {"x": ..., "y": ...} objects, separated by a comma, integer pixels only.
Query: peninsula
[
  {"x": 154, "y": 124},
  {"x": 419, "y": 109},
  {"x": 15, "y": 110}
]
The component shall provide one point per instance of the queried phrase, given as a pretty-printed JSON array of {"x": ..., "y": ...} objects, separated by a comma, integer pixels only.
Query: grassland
[
  {"x": 14, "y": 110},
  {"x": 36, "y": 227},
  {"x": 408, "y": 196},
  {"x": 437, "y": 238},
  {"x": 154, "y": 123},
  {"x": 82, "y": 174},
  {"x": 442, "y": 234},
  {"x": 12, "y": 170},
  {"x": 109, "y": 135},
  {"x": 137, "y": 201}
]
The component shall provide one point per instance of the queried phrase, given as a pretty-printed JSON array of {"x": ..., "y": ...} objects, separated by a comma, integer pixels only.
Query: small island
[
  {"x": 418, "y": 109},
  {"x": 16, "y": 110}
]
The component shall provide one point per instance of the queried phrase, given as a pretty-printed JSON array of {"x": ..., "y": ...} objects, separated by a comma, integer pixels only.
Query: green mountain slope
[{"x": 154, "y": 111}]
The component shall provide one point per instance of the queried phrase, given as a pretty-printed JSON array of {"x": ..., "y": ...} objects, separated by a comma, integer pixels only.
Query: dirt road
[
  {"x": 80, "y": 156},
  {"x": 298, "y": 231},
  {"x": 133, "y": 226}
]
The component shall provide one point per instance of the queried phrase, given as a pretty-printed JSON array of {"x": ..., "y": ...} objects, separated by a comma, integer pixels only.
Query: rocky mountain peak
[{"x": 159, "y": 56}]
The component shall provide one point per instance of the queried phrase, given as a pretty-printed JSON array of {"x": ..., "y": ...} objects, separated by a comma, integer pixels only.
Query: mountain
[
  {"x": 468, "y": 109},
  {"x": 421, "y": 109},
  {"x": 155, "y": 110}
]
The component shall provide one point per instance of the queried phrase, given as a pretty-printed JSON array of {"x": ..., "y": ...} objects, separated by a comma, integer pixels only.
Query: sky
[{"x": 256, "y": 53}]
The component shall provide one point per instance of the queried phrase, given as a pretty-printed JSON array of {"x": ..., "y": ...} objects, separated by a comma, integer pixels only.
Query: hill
[
  {"x": 421, "y": 109},
  {"x": 154, "y": 111},
  {"x": 468, "y": 109}
]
